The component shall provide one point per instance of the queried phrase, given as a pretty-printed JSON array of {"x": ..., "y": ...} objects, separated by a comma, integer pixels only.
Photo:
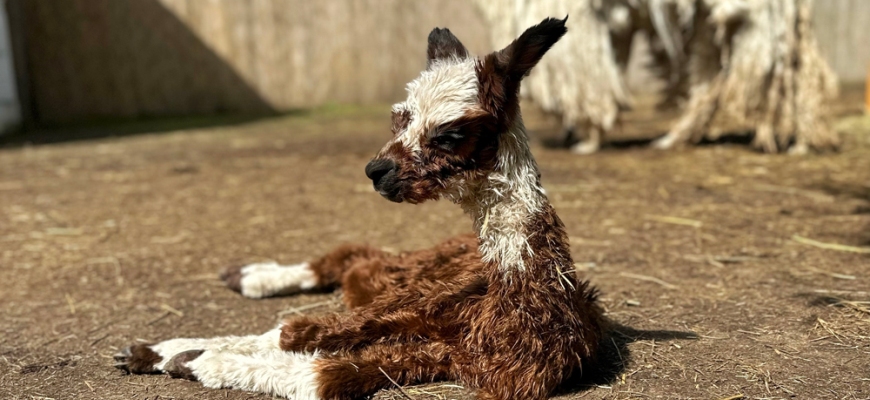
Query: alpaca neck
[{"x": 507, "y": 204}]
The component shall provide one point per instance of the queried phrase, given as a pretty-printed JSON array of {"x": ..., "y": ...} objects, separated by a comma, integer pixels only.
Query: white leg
[
  {"x": 276, "y": 372},
  {"x": 253, "y": 363},
  {"x": 590, "y": 145},
  {"x": 666, "y": 142},
  {"x": 261, "y": 280},
  {"x": 240, "y": 344},
  {"x": 800, "y": 148}
]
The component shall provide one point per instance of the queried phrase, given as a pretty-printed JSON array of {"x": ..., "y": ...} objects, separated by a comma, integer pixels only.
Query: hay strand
[
  {"x": 674, "y": 220},
  {"x": 830, "y": 246},
  {"x": 648, "y": 279},
  {"x": 401, "y": 389}
]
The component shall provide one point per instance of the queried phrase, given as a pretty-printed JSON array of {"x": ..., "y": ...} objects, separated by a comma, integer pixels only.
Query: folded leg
[
  {"x": 360, "y": 374},
  {"x": 271, "y": 279},
  {"x": 362, "y": 271},
  {"x": 351, "y": 332},
  {"x": 407, "y": 315}
]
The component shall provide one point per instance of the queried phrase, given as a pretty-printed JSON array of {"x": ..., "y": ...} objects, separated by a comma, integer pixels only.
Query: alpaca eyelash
[{"x": 447, "y": 139}]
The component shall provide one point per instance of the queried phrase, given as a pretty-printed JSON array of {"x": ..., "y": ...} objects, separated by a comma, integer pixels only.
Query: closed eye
[{"x": 448, "y": 140}]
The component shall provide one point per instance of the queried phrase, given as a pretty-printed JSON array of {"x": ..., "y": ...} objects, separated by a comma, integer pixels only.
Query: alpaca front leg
[
  {"x": 158, "y": 358},
  {"x": 361, "y": 374},
  {"x": 591, "y": 144}
]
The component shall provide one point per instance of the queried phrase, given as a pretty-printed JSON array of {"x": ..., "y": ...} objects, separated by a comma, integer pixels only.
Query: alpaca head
[{"x": 447, "y": 134}]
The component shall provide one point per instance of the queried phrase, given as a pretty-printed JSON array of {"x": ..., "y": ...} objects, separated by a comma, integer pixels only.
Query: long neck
[{"x": 518, "y": 230}]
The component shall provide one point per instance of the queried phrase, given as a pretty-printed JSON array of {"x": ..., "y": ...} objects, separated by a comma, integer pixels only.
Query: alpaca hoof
[
  {"x": 584, "y": 148},
  {"x": 798, "y": 149},
  {"x": 177, "y": 367},
  {"x": 232, "y": 276},
  {"x": 664, "y": 143},
  {"x": 137, "y": 359}
]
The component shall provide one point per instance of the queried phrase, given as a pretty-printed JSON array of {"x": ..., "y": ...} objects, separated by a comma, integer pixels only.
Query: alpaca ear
[
  {"x": 501, "y": 72},
  {"x": 518, "y": 58},
  {"x": 443, "y": 45}
]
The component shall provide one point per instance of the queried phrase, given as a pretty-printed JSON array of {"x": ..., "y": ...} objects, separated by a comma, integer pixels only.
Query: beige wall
[
  {"x": 843, "y": 29},
  {"x": 113, "y": 58},
  {"x": 110, "y": 58}
]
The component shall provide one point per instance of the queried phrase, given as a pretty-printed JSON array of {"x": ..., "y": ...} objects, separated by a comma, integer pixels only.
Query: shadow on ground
[
  {"x": 614, "y": 356},
  {"x": 107, "y": 128},
  {"x": 148, "y": 63},
  {"x": 621, "y": 143}
]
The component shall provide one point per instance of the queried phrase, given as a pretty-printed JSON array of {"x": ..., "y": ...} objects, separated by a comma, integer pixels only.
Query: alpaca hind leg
[
  {"x": 156, "y": 357},
  {"x": 252, "y": 363},
  {"x": 271, "y": 279},
  {"x": 270, "y": 371},
  {"x": 259, "y": 365},
  {"x": 692, "y": 125}
]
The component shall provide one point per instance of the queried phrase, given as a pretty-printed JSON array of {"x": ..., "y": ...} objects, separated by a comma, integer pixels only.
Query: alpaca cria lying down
[{"x": 502, "y": 311}]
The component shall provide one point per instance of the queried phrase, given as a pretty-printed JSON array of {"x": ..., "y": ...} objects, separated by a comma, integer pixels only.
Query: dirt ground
[{"x": 708, "y": 258}]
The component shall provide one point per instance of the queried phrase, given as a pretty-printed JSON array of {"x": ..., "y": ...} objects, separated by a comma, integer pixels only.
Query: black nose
[{"x": 376, "y": 169}]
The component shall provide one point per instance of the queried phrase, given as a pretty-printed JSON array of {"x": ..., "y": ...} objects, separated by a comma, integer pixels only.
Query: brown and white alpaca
[{"x": 501, "y": 312}]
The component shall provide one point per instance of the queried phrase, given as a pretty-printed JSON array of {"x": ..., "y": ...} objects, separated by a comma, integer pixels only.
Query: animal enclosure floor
[{"x": 712, "y": 260}]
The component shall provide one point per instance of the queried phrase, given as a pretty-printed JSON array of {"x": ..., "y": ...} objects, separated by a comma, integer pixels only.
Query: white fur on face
[
  {"x": 270, "y": 279},
  {"x": 511, "y": 195},
  {"x": 441, "y": 94}
]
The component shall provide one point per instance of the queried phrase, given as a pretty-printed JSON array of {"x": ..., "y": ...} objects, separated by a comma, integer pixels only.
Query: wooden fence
[
  {"x": 130, "y": 58},
  {"x": 110, "y": 58}
]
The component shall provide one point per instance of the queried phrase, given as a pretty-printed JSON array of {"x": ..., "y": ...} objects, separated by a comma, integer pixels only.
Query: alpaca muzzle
[{"x": 384, "y": 176}]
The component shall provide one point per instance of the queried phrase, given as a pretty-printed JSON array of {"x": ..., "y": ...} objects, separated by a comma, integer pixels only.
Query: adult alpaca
[{"x": 503, "y": 312}]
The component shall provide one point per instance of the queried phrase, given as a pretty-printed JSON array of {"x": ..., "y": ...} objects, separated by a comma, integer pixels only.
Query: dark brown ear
[
  {"x": 519, "y": 57},
  {"x": 502, "y": 71},
  {"x": 442, "y": 45}
]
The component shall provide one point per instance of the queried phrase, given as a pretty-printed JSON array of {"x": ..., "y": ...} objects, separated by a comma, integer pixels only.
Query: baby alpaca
[{"x": 501, "y": 312}]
